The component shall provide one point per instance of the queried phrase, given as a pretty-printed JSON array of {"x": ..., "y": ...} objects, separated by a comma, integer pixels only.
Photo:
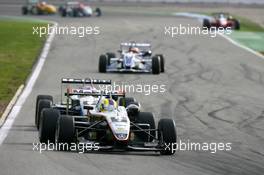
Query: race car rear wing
[
  {"x": 136, "y": 44},
  {"x": 97, "y": 94},
  {"x": 81, "y": 82},
  {"x": 84, "y": 81}
]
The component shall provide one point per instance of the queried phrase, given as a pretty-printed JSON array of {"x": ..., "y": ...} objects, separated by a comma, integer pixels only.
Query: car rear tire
[
  {"x": 65, "y": 130},
  {"x": 75, "y": 12},
  {"x": 148, "y": 118},
  {"x": 162, "y": 62},
  {"x": 206, "y": 23},
  {"x": 24, "y": 10},
  {"x": 103, "y": 63},
  {"x": 236, "y": 25},
  {"x": 155, "y": 65},
  {"x": 34, "y": 10},
  {"x": 167, "y": 134},
  {"x": 98, "y": 12},
  {"x": 41, "y": 97},
  {"x": 47, "y": 125},
  {"x": 41, "y": 104},
  {"x": 63, "y": 12}
]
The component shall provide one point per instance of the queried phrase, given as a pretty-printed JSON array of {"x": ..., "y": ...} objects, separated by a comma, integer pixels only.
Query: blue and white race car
[{"x": 134, "y": 57}]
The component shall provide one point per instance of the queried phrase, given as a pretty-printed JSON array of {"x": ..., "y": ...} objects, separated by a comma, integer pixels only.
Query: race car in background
[
  {"x": 134, "y": 57},
  {"x": 221, "y": 20},
  {"x": 35, "y": 7},
  {"x": 77, "y": 9},
  {"x": 94, "y": 117}
]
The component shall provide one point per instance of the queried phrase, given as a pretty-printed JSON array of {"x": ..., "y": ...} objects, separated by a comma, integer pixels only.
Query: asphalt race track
[{"x": 214, "y": 92}]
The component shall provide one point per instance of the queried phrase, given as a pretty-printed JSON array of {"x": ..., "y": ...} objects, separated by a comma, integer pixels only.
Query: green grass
[
  {"x": 248, "y": 28},
  {"x": 247, "y": 25},
  {"x": 19, "y": 49}
]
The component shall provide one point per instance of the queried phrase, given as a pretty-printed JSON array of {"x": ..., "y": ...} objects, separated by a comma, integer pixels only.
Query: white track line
[
  {"x": 199, "y": 17},
  {"x": 27, "y": 90},
  {"x": 242, "y": 46}
]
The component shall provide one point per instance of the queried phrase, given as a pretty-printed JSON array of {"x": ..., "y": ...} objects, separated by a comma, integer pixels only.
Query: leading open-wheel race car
[
  {"x": 223, "y": 20},
  {"x": 78, "y": 9},
  {"x": 35, "y": 7},
  {"x": 134, "y": 57},
  {"x": 105, "y": 118}
]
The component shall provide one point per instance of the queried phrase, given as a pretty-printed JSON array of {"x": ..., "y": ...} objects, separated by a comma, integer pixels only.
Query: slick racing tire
[
  {"x": 24, "y": 10},
  {"x": 98, "y": 12},
  {"x": 65, "y": 130},
  {"x": 162, "y": 62},
  {"x": 146, "y": 118},
  {"x": 155, "y": 65},
  {"x": 63, "y": 12},
  {"x": 42, "y": 97},
  {"x": 103, "y": 62},
  {"x": 36, "y": 11},
  {"x": 41, "y": 104},
  {"x": 125, "y": 101},
  {"x": 236, "y": 24},
  {"x": 206, "y": 23},
  {"x": 75, "y": 13},
  {"x": 167, "y": 134},
  {"x": 60, "y": 8},
  {"x": 47, "y": 125}
]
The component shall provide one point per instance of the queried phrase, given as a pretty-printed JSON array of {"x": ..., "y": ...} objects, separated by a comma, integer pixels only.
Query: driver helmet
[
  {"x": 81, "y": 5},
  {"x": 134, "y": 49},
  {"x": 43, "y": 3},
  {"x": 108, "y": 105},
  {"x": 222, "y": 15}
]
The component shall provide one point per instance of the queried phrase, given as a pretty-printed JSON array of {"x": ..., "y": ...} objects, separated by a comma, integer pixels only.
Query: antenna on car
[
  {"x": 91, "y": 81},
  {"x": 99, "y": 101},
  {"x": 110, "y": 94}
]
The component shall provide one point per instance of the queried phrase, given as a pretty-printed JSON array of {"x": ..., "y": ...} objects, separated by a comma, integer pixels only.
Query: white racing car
[
  {"x": 134, "y": 57},
  {"x": 78, "y": 9},
  {"x": 97, "y": 118}
]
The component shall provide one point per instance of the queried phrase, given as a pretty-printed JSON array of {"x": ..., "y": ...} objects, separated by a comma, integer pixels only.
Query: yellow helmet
[{"x": 108, "y": 105}]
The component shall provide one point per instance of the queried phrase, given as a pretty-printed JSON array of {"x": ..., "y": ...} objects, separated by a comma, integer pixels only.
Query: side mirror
[{"x": 147, "y": 53}]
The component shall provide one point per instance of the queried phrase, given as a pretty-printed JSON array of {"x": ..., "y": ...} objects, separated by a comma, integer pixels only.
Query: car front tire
[
  {"x": 167, "y": 134},
  {"x": 155, "y": 65},
  {"x": 103, "y": 63}
]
